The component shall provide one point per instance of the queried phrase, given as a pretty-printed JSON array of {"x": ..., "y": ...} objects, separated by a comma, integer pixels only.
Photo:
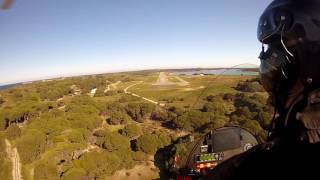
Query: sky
[{"x": 52, "y": 38}]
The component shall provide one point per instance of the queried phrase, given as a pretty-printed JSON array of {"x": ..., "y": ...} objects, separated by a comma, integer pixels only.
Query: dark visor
[{"x": 274, "y": 63}]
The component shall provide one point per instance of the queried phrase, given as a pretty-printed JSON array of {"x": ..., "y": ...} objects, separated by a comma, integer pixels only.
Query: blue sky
[{"x": 49, "y": 38}]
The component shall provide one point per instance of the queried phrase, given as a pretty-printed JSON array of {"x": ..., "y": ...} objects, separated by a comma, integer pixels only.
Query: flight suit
[{"x": 292, "y": 153}]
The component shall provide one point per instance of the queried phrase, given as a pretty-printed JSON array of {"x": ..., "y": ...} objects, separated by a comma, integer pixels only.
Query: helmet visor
[{"x": 273, "y": 66}]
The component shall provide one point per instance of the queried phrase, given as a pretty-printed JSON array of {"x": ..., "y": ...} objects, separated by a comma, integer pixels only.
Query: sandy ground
[
  {"x": 143, "y": 171},
  {"x": 113, "y": 85},
  {"x": 15, "y": 159},
  {"x": 93, "y": 92},
  {"x": 193, "y": 89}
]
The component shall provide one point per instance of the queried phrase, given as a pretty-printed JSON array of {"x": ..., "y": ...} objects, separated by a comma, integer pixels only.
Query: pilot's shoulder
[{"x": 310, "y": 117}]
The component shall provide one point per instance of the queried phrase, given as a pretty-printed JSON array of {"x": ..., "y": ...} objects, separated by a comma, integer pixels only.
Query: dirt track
[
  {"x": 136, "y": 95},
  {"x": 143, "y": 171},
  {"x": 15, "y": 159},
  {"x": 113, "y": 85}
]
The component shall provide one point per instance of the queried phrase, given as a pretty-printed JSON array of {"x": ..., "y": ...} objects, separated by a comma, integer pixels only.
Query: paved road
[
  {"x": 15, "y": 159},
  {"x": 163, "y": 80}
]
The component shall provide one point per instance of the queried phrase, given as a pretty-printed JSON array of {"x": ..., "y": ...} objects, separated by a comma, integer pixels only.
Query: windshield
[{"x": 126, "y": 89}]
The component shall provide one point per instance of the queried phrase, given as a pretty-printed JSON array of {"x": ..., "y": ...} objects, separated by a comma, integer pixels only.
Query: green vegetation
[
  {"x": 46, "y": 171},
  {"x": 110, "y": 93},
  {"x": 63, "y": 133},
  {"x": 118, "y": 117},
  {"x": 131, "y": 130},
  {"x": 252, "y": 85},
  {"x": 140, "y": 111},
  {"x": 150, "y": 143},
  {"x": 74, "y": 173},
  {"x": 31, "y": 145},
  {"x": 2, "y": 100},
  {"x": 99, "y": 92},
  {"x": 97, "y": 164},
  {"x": 13, "y": 132}
]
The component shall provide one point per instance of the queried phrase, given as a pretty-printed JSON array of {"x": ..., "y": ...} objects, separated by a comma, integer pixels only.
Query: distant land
[
  {"x": 244, "y": 69},
  {"x": 9, "y": 85}
]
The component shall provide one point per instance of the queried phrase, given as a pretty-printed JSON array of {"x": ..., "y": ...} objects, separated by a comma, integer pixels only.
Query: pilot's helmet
[{"x": 290, "y": 33}]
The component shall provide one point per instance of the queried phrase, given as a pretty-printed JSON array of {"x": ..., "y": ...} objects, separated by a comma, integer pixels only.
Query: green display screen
[{"x": 207, "y": 157}]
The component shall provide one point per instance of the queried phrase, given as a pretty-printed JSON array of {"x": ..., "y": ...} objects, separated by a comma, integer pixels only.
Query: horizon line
[{"x": 52, "y": 77}]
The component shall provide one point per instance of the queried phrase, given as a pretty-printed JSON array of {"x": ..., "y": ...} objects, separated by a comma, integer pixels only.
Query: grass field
[{"x": 183, "y": 96}]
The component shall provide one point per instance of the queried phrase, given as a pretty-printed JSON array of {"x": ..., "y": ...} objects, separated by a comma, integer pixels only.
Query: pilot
[{"x": 289, "y": 31}]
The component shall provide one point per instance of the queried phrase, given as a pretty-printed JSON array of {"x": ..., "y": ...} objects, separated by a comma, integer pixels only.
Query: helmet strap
[{"x": 282, "y": 42}]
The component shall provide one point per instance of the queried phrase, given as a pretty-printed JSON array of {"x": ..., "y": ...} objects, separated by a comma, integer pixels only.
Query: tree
[
  {"x": 4, "y": 122},
  {"x": 147, "y": 143},
  {"x": 83, "y": 101},
  {"x": 108, "y": 108},
  {"x": 46, "y": 171},
  {"x": 100, "y": 136},
  {"x": 255, "y": 102},
  {"x": 78, "y": 135},
  {"x": 99, "y": 92},
  {"x": 118, "y": 155},
  {"x": 16, "y": 94},
  {"x": 13, "y": 132},
  {"x": 192, "y": 120},
  {"x": 265, "y": 119},
  {"x": 31, "y": 145},
  {"x": 177, "y": 110},
  {"x": 74, "y": 173},
  {"x": 163, "y": 139},
  {"x": 250, "y": 86},
  {"x": 83, "y": 112},
  {"x": 253, "y": 126},
  {"x": 118, "y": 117},
  {"x": 88, "y": 83},
  {"x": 22, "y": 111},
  {"x": 216, "y": 107},
  {"x": 97, "y": 164},
  {"x": 139, "y": 111},
  {"x": 83, "y": 120},
  {"x": 182, "y": 122},
  {"x": 164, "y": 115},
  {"x": 210, "y": 98},
  {"x": 116, "y": 142},
  {"x": 2, "y": 100},
  {"x": 150, "y": 143},
  {"x": 131, "y": 130},
  {"x": 228, "y": 97},
  {"x": 53, "y": 90},
  {"x": 101, "y": 133}
]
